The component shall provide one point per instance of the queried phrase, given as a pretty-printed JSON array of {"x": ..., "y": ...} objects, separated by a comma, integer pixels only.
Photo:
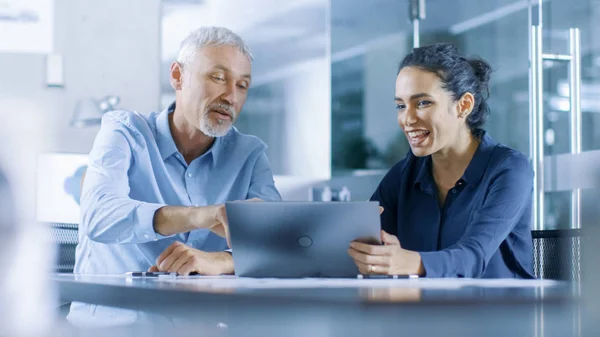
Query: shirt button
[
  {"x": 189, "y": 175},
  {"x": 453, "y": 191},
  {"x": 146, "y": 236}
]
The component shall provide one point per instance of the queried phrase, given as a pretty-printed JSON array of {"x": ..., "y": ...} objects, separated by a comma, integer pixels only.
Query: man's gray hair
[{"x": 210, "y": 36}]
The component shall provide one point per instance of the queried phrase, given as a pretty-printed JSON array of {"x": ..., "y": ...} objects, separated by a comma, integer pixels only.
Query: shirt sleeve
[
  {"x": 262, "y": 185},
  {"x": 507, "y": 198},
  {"x": 108, "y": 214}
]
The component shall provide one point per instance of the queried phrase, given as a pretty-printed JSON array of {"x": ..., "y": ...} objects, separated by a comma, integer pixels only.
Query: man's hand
[
  {"x": 183, "y": 259},
  {"x": 389, "y": 258},
  {"x": 171, "y": 220},
  {"x": 219, "y": 224}
]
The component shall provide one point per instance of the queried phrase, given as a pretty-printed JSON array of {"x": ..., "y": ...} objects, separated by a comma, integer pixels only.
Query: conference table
[{"x": 337, "y": 307}]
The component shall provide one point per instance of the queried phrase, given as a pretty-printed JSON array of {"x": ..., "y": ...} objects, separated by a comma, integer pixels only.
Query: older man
[{"x": 153, "y": 192}]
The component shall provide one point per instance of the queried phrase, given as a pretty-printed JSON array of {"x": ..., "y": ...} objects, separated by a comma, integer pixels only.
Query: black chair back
[
  {"x": 557, "y": 254},
  {"x": 65, "y": 235}
]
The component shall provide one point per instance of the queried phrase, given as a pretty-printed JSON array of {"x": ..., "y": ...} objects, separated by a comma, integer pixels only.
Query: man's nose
[{"x": 230, "y": 94}]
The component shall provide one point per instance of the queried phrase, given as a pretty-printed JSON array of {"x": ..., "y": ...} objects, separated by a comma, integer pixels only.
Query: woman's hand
[{"x": 389, "y": 258}]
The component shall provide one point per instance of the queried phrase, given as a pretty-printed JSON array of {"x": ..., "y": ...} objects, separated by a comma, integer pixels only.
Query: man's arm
[
  {"x": 109, "y": 215},
  {"x": 170, "y": 220}
]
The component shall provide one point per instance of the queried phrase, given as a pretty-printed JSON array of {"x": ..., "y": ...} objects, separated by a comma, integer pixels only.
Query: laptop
[{"x": 299, "y": 239}]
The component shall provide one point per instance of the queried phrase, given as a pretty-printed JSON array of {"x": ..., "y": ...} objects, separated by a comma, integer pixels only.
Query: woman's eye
[
  {"x": 218, "y": 78},
  {"x": 423, "y": 104},
  {"x": 400, "y": 106}
]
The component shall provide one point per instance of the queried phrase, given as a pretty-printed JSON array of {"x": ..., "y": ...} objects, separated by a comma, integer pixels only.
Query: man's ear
[
  {"x": 466, "y": 104},
  {"x": 176, "y": 75}
]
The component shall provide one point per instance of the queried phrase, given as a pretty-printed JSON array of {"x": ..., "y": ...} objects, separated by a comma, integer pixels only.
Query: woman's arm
[{"x": 508, "y": 195}]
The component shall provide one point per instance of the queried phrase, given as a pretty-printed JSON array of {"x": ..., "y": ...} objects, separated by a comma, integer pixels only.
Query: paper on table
[
  {"x": 511, "y": 283},
  {"x": 273, "y": 283}
]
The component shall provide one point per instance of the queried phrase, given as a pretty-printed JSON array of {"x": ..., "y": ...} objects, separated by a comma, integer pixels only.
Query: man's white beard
[{"x": 214, "y": 129}]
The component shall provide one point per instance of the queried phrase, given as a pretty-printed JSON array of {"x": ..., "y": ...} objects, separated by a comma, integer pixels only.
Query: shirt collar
[
  {"x": 216, "y": 148},
  {"x": 474, "y": 171},
  {"x": 164, "y": 139},
  {"x": 424, "y": 179},
  {"x": 480, "y": 160},
  {"x": 166, "y": 144}
]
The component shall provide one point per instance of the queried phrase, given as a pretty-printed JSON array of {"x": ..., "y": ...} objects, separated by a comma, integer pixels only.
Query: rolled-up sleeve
[
  {"x": 506, "y": 199},
  {"x": 108, "y": 214},
  {"x": 262, "y": 185}
]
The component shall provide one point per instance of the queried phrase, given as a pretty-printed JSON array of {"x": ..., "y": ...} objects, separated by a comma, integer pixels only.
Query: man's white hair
[{"x": 210, "y": 36}]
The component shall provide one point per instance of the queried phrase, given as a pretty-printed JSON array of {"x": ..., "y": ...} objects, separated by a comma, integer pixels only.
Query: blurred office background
[
  {"x": 324, "y": 74},
  {"x": 322, "y": 92}
]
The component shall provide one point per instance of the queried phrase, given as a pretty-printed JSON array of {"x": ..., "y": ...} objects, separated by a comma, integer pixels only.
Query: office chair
[
  {"x": 557, "y": 254},
  {"x": 65, "y": 235}
]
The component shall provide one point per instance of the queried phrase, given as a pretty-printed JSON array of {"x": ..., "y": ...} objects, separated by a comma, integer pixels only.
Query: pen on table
[
  {"x": 150, "y": 273},
  {"x": 381, "y": 276}
]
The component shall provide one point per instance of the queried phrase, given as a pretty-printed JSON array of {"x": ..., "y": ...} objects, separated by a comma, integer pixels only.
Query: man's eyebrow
[
  {"x": 221, "y": 67},
  {"x": 224, "y": 68}
]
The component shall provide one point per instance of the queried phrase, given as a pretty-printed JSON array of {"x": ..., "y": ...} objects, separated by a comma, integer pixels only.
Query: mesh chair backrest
[
  {"x": 557, "y": 254},
  {"x": 66, "y": 237}
]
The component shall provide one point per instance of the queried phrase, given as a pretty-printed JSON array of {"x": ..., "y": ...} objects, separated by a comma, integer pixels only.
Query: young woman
[{"x": 458, "y": 204}]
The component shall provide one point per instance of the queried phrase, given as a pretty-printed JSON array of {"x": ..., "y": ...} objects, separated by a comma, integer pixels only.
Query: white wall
[
  {"x": 108, "y": 47},
  {"x": 21, "y": 134},
  {"x": 307, "y": 125}
]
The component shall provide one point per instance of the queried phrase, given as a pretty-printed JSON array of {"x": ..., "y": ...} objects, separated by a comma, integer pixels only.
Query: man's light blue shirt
[{"x": 135, "y": 169}]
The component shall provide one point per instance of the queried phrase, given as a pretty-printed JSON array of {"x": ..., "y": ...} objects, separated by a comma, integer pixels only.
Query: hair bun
[{"x": 482, "y": 70}]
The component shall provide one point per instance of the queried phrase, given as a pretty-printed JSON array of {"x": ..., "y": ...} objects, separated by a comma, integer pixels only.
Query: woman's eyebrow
[{"x": 415, "y": 96}]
